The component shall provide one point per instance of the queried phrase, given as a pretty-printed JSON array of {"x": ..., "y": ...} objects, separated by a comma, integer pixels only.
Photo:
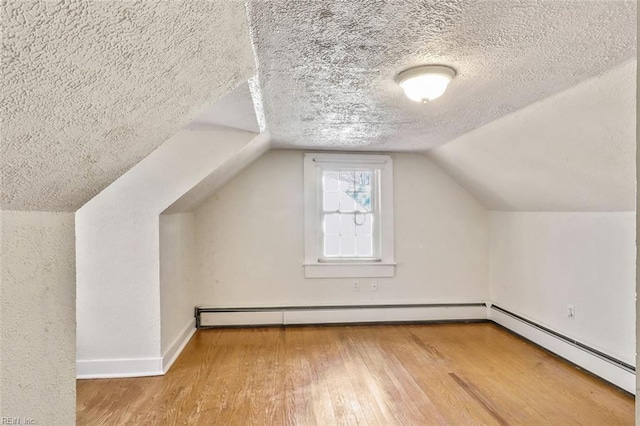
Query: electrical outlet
[
  {"x": 571, "y": 312},
  {"x": 374, "y": 286},
  {"x": 356, "y": 286}
]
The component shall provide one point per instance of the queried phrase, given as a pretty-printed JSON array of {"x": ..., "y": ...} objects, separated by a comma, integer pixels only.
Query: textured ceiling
[
  {"x": 91, "y": 88},
  {"x": 234, "y": 110},
  {"x": 327, "y": 68},
  {"x": 574, "y": 151}
]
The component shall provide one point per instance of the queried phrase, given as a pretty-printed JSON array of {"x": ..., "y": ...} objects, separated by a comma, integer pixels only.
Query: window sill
[{"x": 349, "y": 270}]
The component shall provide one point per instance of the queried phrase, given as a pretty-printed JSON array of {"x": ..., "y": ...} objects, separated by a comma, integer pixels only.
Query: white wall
[
  {"x": 177, "y": 278},
  {"x": 118, "y": 305},
  {"x": 542, "y": 262},
  {"x": 250, "y": 240},
  {"x": 37, "y": 300}
]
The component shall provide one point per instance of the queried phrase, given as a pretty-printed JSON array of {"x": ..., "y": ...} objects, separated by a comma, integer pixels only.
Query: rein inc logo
[{"x": 5, "y": 420}]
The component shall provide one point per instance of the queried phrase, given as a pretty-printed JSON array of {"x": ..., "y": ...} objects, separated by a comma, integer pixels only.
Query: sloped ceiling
[
  {"x": 91, "y": 88},
  {"x": 204, "y": 190},
  {"x": 327, "y": 68},
  {"x": 574, "y": 151},
  {"x": 234, "y": 110}
]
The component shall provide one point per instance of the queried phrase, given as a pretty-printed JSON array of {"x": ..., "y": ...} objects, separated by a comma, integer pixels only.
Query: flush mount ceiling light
[{"x": 426, "y": 82}]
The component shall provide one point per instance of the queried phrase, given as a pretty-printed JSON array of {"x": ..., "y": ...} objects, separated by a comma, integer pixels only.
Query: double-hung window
[{"x": 348, "y": 215}]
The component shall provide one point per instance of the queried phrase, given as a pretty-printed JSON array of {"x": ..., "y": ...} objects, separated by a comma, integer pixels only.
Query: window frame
[
  {"x": 316, "y": 265},
  {"x": 375, "y": 211}
]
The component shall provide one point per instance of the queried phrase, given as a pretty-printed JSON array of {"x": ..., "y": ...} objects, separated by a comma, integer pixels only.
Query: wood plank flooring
[{"x": 449, "y": 374}]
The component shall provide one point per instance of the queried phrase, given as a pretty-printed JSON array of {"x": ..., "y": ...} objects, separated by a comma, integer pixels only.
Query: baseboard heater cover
[
  {"x": 300, "y": 315},
  {"x": 607, "y": 367}
]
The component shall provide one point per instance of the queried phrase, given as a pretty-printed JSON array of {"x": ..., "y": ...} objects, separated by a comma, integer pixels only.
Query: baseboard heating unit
[
  {"x": 615, "y": 371},
  {"x": 299, "y": 315}
]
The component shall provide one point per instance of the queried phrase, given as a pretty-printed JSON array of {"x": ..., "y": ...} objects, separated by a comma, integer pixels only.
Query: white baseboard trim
[
  {"x": 118, "y": 368},
  {"x": 135, "y": 367},
  {"x": 342, "y": 315},
  {"x": 176, "y": 348},
  {"x": 606, "y": 369}
]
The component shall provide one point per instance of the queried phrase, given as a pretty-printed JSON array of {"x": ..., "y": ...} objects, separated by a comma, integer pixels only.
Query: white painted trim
[
  {"x": 135, "y": 367},
  {"x": 178, "y": 345},
  {"x": 349, "y": 270},
  {"x": 313, "y": 267},
  {"x": 118, "y": 368},
  {"x": 342, "y": 315},
  {"x": 600, "y": 367}
]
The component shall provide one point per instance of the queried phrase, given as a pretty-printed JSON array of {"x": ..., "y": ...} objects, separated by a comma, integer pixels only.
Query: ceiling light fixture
[{"x": 426, "y": 82}]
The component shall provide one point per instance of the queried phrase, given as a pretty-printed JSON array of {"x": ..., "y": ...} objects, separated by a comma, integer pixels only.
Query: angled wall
[
  {"x": 205, "y": 189},
  {"x": 573, "y": 151},
  {"x": 118, "y": 297}
]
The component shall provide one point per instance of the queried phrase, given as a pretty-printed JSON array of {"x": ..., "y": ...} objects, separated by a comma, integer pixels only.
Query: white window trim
[{"x": 313, "y": 267}]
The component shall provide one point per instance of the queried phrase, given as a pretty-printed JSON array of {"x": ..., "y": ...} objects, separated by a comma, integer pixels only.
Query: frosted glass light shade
[{"x": 425, "y": 83}]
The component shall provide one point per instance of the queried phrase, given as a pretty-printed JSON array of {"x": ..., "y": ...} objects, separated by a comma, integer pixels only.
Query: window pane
[
  {"x": 347, "y": 245},
  {"x": 345, "y": 180},
  {"x": 347, "y": 227},
  {"x": 331, "y": 245},
  {"x": 364, "y": 245},
  {"x": 332, "y": 224},
  {"x": 364, "y": 224},
  {"x": 360, "y": 189},
  {"x": 359, "y": 208},
  {"x": 330, "y": 181},
  {"x": 331, "y": 201},
  {"x": 346, "y": 203}
]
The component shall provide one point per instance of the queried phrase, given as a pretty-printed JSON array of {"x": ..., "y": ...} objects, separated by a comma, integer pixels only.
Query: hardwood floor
[{"x": 449, "y": 374}]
